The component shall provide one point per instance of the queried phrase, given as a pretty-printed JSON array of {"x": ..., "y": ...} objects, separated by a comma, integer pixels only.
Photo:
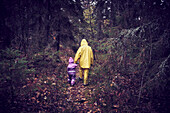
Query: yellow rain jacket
[{"x": 85, "y": 55}]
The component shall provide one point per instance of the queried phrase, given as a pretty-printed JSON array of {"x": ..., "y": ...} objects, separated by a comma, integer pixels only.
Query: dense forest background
[{"x": 130, "y": 40}]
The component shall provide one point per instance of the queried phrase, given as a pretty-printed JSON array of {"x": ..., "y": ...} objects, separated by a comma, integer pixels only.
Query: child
[{"x": 71, "y": 70}]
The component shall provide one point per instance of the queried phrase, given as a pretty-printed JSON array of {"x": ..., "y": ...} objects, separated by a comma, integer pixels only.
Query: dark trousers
[{"x": 71, "y": 77}]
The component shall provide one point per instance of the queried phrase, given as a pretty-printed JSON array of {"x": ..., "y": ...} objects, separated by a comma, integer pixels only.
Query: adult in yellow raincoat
[{"x": 85, "y": 56}]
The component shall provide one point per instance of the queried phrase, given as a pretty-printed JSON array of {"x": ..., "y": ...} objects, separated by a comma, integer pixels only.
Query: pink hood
[
  {"x": 71, "y": 60},
  {"x": 71, "y": 63}
]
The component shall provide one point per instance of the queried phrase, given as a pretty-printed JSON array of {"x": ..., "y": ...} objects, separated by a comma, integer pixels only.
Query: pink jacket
[{"x": 71, "y": 68}]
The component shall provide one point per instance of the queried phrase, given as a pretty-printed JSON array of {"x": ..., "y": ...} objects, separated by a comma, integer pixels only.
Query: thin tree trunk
[
  {"x": 58, "y": 42},
  {"x": 90, "y": 16},
  {"x": 99, "y": 20},
  {"x": 48, "y": 20}
]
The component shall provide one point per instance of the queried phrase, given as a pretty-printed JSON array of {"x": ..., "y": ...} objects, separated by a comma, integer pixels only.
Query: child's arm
[{"x": 75, "y": 65}]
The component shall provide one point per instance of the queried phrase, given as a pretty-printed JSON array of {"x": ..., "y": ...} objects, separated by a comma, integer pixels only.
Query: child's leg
[
  {"x": 86, "y": 71},
  {"x": 69, "y": 78},
  {"x": 73, "y": 80},
  {"x": 74, "y": 77}
]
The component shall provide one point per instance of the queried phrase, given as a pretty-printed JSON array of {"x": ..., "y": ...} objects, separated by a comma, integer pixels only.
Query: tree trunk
[
  {"x": 58, "y": 42},
  {"x": 99, "y": 23}
]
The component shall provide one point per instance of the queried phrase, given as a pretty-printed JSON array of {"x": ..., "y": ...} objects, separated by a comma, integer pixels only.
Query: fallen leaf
[{"x": 116, "y": 106}]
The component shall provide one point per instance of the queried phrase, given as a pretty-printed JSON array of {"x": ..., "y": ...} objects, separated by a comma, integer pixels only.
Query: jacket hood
[
  {"x": 71, "y": 60},
  {"x": 84, "y": 42}
]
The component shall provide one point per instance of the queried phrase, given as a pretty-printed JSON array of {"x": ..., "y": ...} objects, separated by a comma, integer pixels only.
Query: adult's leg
[
  {"x": 81, "y": 73},
  {"x": 86, "y": 71}
]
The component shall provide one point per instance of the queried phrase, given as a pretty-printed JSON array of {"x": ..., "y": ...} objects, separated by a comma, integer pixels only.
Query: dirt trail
[{"x": 79, "y": 97}]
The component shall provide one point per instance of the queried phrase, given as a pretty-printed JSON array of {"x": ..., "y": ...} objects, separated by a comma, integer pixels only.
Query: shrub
[{"x": 13, "y": 71}]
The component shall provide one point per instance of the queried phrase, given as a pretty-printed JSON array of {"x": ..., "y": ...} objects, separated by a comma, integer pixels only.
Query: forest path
[
  {"x": 50, "y": 91},
  {"x": 78, "y": 97}
]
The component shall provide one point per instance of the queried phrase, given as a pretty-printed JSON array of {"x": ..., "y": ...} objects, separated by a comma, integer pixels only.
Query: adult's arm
[
  {"x": 92, "y": 58},
  {"x": 77, "y": 56}
]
